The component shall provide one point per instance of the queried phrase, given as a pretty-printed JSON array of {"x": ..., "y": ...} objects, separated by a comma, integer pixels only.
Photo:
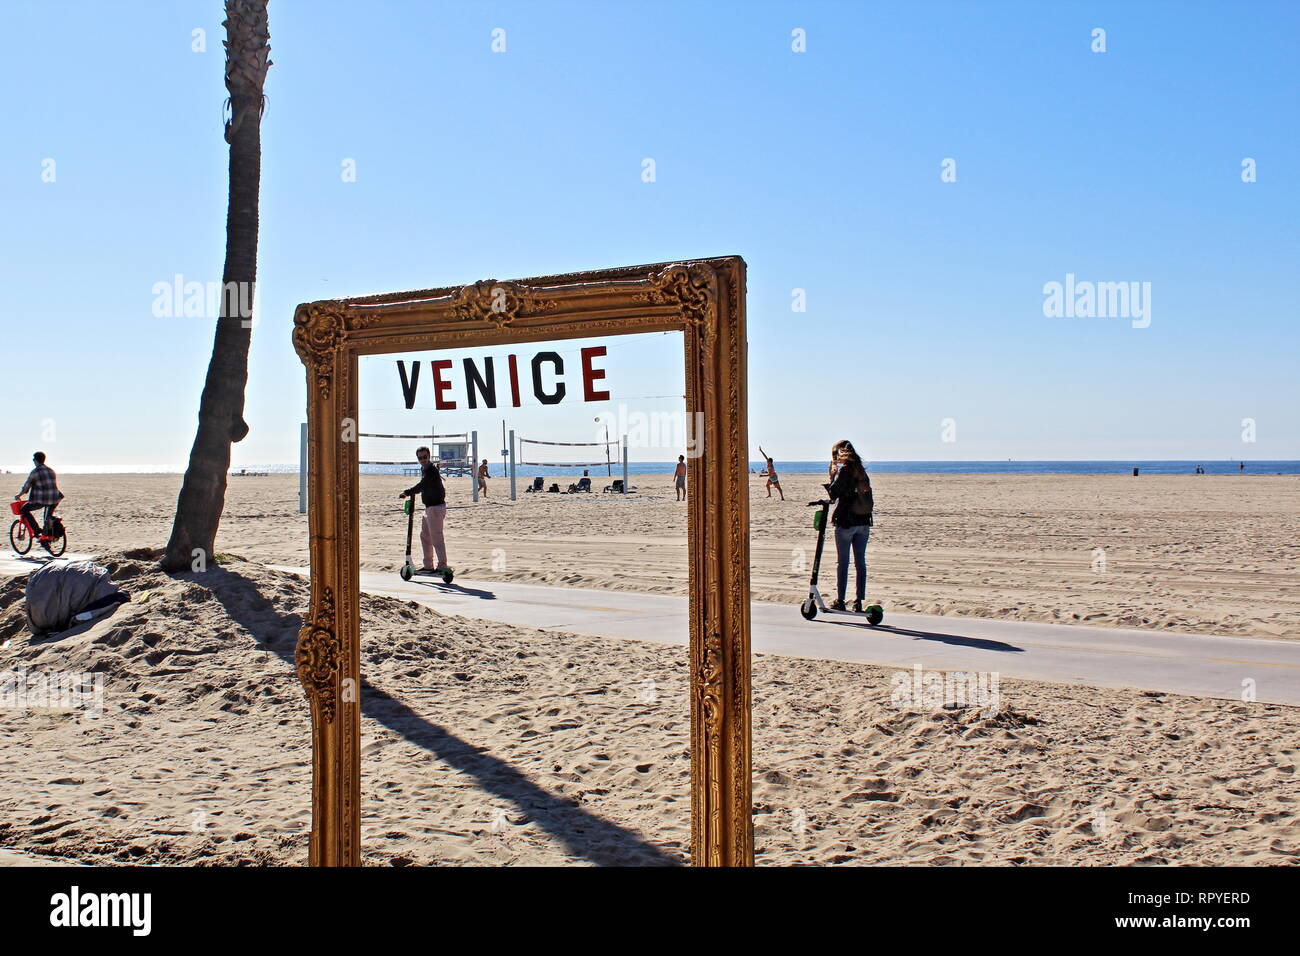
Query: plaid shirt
[{"x": 43, "y": 487}]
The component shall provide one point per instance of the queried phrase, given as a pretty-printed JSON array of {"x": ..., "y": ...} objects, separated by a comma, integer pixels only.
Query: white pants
[{"x": 431, "y": 538}]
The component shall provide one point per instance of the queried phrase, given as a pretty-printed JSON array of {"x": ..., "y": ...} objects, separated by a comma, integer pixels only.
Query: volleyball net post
[
  {"x": 511, "y": 464},
  {"x": 624, "y": 464},
  {"x": 473, "y": 463}
]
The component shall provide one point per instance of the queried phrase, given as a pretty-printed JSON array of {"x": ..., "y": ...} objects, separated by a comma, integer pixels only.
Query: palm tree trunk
[{"x": 221, "y": 407}]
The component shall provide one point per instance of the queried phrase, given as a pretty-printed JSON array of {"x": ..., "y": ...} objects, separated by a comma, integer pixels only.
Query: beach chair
[
  {"x": 537, "y": 485},
  {"x": 616, "y": 487},
  {"x": 584, "y": 484}
]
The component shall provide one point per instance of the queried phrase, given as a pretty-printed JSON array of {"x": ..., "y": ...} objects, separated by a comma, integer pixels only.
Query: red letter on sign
[
  {"x": 514, "y": 382},
  {"x": 589, "y": 375},
  {"x": 439, "y": 386}
]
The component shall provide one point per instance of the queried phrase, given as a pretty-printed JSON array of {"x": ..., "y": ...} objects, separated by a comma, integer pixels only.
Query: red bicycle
[{"x": 23, "y": 532}]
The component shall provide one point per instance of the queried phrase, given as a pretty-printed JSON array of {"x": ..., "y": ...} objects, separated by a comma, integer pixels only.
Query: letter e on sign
[
  {"x": 440, "y": 385},
  {"x": 590, "y": 375}
]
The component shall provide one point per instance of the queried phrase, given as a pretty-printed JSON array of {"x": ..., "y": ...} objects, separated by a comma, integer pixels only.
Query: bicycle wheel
[
  {"x": 19, "y": 539},
  {"x": 58, "y": 545}
]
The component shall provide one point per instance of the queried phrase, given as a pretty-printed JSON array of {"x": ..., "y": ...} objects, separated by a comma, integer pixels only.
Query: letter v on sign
[{"x": 408, "y": 388}]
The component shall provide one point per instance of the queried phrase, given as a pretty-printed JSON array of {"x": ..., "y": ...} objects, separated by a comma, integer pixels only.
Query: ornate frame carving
[{"x": 704, "y": 299}]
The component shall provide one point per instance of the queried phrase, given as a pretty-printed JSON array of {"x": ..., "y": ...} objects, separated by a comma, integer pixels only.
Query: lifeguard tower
[{"x": 453, "y": 457}]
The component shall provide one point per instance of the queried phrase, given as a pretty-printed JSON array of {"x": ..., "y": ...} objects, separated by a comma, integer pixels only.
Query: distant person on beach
[
  {"x": 679, "y": 477},
  {"x": 1243, "y": 466},
  {"x": 483, "y": 475},
  {"x": 433, "y": 495},
  {"x": 853, "y": 519},
  {"x": 773, "y": 479},
  {"x": 44, "y": 488}
]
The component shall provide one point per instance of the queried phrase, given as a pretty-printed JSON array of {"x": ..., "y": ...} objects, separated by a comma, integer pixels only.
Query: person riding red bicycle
[{"x": 44, "y": 488}]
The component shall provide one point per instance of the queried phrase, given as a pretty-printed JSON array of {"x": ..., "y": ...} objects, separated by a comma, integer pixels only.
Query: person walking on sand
[
  {"x": 853, "y": 519},
  {"x": 679, "y": 477},
  {"x": 483, "y": 475},
  {"x": 773, "y": 479},
  {"x": 433, "y": 496},
  {"x": 44, "y": 486}
]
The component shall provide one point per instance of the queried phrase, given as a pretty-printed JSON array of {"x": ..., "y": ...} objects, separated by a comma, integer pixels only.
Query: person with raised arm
[{"x": 773, "y": 479}]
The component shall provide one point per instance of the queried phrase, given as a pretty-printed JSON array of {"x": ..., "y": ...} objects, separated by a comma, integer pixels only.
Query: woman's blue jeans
[{"x": 855, "y": 537}]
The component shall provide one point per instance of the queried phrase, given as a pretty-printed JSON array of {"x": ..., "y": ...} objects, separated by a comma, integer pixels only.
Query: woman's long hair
[{"x": 844, "y": 449}]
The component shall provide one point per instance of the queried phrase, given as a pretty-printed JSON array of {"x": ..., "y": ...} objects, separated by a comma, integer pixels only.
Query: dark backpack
[{"x": 862, "y": 503}]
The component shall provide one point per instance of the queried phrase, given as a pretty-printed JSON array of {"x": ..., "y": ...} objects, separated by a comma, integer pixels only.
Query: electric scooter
[
  {"x": 409, "y": 570},
  {"x": 873, "y": 613}
]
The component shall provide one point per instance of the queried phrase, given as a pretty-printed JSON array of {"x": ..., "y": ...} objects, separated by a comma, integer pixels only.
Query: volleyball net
[
  {"x": 454, "y": 454},
  {"x": 450, "y": 452},
  {"x": 533, "y": 452},
  {"x": 543, "y": 450},
  {"x": 457, "y": 454}
]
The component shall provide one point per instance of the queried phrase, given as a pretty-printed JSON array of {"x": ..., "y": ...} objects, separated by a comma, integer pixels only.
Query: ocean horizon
[{"x": 1007, "y": 467}]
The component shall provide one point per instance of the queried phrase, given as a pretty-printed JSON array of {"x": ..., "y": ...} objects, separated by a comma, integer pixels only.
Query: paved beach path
[
  {"x": 1200, "y": 666},
  {"x": 1168, "y": 661}
]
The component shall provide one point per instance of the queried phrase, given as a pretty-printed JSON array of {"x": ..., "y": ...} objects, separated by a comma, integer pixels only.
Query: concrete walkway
[
  {"x": 1168, "y": 661},
  {"x": 11, "y": 564}
]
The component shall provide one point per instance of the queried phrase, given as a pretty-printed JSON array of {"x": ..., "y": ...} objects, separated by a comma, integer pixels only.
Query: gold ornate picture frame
[{"x": 702, "y": 298}]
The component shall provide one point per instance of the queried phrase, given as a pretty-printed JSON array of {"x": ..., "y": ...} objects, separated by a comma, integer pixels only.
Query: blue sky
[{"x": 821, "y": 168}]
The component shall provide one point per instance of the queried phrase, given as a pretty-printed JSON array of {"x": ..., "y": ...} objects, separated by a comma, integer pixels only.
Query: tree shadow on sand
[{"x": 581, "y": 832}]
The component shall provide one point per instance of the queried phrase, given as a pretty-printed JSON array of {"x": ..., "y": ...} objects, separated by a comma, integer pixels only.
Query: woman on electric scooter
[{"x": 851, "y": 489}]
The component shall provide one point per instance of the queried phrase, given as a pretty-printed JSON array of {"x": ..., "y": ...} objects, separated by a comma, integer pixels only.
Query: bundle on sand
[{"x": 489, "y": 744}]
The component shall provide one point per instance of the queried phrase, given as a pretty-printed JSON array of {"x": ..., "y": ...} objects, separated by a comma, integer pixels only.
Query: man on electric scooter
[
  {"x": 433, "y": 495},
  {"x": 45, "y": 493}
]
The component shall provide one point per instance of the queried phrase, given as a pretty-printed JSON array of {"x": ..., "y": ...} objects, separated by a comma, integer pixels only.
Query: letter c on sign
[{"x": 555, "y": 397}]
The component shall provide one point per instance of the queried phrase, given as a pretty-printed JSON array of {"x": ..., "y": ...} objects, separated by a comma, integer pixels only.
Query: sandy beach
[
  {"x": 488, "y": 744},
  {"x": 492, "y": 744},
  {"x": 1193, "y": 553}
]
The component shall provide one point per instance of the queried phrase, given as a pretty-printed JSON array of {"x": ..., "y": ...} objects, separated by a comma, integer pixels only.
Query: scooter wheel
[
  {"x": 808, "y": 609},
  {"x": 875, "y": 614},
  {"x": 407, "y": 572},
  {"x": 447, "y": 576}
]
